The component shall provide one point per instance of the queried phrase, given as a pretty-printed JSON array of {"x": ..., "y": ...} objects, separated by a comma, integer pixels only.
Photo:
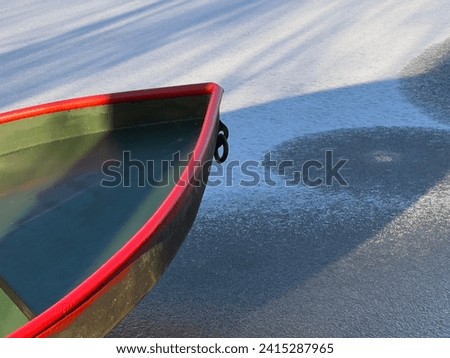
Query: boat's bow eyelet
[{"x": 222, "y": 136}]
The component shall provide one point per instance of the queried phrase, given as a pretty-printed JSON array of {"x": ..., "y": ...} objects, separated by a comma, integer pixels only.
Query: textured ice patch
[{"x": 426, "y": 81}]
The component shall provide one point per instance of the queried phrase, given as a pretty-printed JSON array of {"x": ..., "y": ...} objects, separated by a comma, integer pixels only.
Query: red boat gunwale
[{"x": 122, "y": 258}]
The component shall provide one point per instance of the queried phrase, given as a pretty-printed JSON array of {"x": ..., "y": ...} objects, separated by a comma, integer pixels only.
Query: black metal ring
[
  {"x": 221, "y": 142},
  {"x": 223, "y": 128}
]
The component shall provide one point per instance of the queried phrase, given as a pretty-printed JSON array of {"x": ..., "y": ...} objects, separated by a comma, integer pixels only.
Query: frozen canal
[{"x": 368, "y": 80}]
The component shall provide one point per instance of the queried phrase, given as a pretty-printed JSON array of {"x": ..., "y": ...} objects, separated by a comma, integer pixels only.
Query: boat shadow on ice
[
  {"x": 368, "y": 259},
  {"x": 259, "y": 249}
]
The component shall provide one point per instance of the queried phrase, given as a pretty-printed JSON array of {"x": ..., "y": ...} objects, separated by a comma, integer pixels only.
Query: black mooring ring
[{"x": 221, "y": 142}]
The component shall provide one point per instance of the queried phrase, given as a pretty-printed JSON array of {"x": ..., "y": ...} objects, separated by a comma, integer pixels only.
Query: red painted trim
[
  {"x": 105, "y": 99},
  {"x": 81, "y": 294},
  {"x": 70, "y": 318}
]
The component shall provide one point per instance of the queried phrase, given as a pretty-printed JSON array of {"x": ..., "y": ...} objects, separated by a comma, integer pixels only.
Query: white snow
[
  {"x": 258, "y": 51},
  {"x": 309, "y": 65},
  {"x": 286, "y": 57},
  {"x": 289, "y": 68}
]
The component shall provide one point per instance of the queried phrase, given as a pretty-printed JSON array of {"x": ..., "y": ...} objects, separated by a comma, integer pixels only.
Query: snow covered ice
[{"x": 368, "y": 79}]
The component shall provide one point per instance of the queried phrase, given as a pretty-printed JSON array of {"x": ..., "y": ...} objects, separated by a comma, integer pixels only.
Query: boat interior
[{"x": 76, "y": 185}]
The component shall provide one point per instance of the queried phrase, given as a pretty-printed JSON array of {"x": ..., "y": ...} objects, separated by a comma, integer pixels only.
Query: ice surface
[{"x": 292, "y": 71}]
